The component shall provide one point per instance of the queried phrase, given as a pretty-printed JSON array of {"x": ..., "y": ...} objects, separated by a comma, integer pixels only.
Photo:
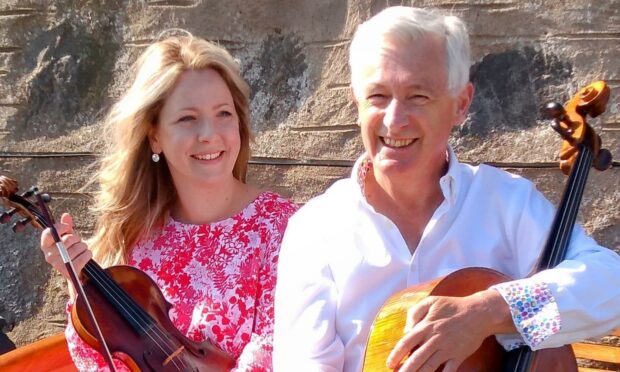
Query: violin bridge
[{"x": 173, "y": 355}]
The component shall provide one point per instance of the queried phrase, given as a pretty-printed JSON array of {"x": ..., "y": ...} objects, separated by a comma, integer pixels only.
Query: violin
[
  {"x": 137, "y": 328},
  {"x": 581, "y": 149}
]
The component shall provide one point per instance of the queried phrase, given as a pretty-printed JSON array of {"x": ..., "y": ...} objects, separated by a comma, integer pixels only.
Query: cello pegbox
[
  {"x": 556, "y": 111},
  {"x": 603, "y": 160}
]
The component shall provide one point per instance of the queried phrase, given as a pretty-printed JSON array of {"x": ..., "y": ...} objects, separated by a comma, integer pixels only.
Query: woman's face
[{"x": 198, "y": 130}]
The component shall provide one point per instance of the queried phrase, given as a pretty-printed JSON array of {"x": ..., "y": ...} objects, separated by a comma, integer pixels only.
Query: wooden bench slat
[
  {"x": 48, "y": 354},
  {"x": 602, "y": 353},
  {"x": 585, "y": 369}
]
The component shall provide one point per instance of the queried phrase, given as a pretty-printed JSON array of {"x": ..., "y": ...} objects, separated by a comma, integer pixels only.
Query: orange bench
[
  {"x": 52, "y": 355},
  {"x": 48, "y": 354},
  {"x": 597, "y": 357}
]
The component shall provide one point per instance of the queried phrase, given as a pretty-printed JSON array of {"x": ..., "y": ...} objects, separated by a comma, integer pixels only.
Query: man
[{"x": 411, "y": 212}]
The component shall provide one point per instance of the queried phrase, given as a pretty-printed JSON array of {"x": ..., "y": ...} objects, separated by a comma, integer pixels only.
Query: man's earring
[{"x": 155, "y": 157}]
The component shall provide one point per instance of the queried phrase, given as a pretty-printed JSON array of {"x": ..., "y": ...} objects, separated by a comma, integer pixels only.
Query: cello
[
  {"x": 137, "y": 327},
  {"x": 581, "y": 149}
]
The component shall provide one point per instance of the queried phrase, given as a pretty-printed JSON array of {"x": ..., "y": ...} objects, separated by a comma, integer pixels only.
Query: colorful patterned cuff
[
  {"x": 515, "y": 344},
  {"x": 533, "y": 308}
]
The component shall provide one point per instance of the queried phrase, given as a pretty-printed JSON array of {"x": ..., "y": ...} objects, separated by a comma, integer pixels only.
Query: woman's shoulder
[{"x": 270, "y": 202}]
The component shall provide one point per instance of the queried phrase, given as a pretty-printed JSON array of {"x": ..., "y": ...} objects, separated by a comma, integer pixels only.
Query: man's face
[{"x": 406, "y": 111}]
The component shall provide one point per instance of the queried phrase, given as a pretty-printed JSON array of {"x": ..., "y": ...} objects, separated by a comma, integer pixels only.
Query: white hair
[{"x": 404, "y": 25}]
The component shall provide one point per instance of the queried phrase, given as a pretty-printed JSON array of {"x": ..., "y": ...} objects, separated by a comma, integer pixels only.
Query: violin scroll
[
  {"x": 8, "y": 186},
  {"x": 20, "y": 204}
]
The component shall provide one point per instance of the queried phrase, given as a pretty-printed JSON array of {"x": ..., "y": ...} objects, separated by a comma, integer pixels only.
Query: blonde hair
[
  {"x": 405, "y": 25},
  {"x": 136, "y": 194}
]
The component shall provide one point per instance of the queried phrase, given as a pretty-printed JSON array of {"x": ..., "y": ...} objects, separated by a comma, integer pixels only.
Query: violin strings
[
  {"x": 142, "y": 319},
  {"x": 111, "y": 287},
  {"x": 132, "y": 310},
  {"x": 126, "y": 304},
  {"x": 117, "y": 294}
]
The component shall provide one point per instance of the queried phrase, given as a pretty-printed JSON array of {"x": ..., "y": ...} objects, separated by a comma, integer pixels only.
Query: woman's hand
[
  {"x": 447, "y": 330},
  {"x": 78, "y": 250}
]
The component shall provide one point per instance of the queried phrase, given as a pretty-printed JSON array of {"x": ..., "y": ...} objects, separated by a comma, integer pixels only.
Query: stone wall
[{"x": 63, "y": 64}]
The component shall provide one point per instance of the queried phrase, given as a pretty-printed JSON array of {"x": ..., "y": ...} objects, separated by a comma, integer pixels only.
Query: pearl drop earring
[{"x": 155, "y": 157}]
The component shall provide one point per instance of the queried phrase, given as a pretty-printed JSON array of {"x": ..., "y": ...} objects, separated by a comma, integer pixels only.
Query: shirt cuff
[
  {"x": 510, "y": 342},
  {"x": 533, "y": 309}
]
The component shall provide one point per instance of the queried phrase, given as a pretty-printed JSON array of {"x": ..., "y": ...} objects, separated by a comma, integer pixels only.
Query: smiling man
[{"x": 410, "y": 213}]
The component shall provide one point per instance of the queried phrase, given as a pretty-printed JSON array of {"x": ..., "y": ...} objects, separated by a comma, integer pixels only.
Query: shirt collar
[{"x": 448, "y": 182}]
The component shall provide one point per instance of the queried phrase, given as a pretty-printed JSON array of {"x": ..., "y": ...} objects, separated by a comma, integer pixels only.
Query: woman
[{"x": 173, "y": 202}]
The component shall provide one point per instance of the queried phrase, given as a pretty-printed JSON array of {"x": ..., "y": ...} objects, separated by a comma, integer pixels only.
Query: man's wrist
[{"x": 497, "y": 312}]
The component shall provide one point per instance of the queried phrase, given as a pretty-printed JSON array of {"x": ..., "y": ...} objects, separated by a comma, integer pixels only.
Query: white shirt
[{"x": 340, "y": 260}]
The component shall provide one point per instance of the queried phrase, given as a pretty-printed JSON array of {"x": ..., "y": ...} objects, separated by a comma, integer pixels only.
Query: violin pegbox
[{"x": 21, "y": 205}]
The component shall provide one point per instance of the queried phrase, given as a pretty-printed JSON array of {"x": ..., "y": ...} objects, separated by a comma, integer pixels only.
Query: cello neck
[
  {"x": 566, "y": 215},
  {"x": 520, "y": 360}
]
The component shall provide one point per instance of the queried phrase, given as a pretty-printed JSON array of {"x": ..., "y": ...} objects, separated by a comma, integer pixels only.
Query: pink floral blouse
[{"x": 220, "y": 279}]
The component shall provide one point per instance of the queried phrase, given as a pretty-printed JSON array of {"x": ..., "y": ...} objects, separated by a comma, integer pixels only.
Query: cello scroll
[{"x": 570, "y": 122}]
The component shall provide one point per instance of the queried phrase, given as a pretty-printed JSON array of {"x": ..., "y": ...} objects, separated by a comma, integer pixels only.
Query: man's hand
[{"x": 448, "y": 330}]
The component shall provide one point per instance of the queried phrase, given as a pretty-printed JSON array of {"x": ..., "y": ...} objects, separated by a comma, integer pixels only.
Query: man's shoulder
[
  {"x": 493, "y": 175},
  {"x": 503, "y": 184},
  {"x": 338, "y": 199}
]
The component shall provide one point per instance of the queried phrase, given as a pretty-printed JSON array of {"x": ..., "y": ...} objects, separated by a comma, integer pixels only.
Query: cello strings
[
  {"x": 564, "y": 214},
  {"x": 568, "y": 216},
  {"x": 566, "y": 223},
  {"x": 578, "y": 194},
  {"x": 572, "y": 206}
]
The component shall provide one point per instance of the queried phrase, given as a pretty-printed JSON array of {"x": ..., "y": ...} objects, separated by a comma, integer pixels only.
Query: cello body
[{"x": 389, "y": 323}]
